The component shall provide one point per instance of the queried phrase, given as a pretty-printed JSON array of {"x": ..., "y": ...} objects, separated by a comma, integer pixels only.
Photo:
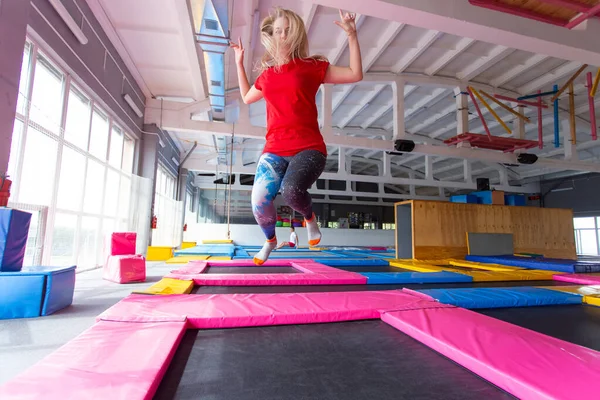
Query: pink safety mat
[
  {"x": 110, "y": 360},
  {"x": 240, "y": 310},
  {"x": 525, "y": 363},
  {"x": 580, "y": 279},
  {"x": 311, "y": 273},
  {"x": 125, "y": 269},
  {"x": 121, "y": 243}
]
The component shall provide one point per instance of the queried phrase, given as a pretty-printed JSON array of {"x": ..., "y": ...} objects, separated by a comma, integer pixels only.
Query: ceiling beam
[
  {"x": 458, "y": 17},
  {"x": 411, "y": 55},
  {"x": 362, "y": 105},
  {"x": 478, "y": 67},
  {"x": 517, "y": 70},
  {"x": 550, "y": 78},
  {"x": 389, "y": 106},
  {"x": 462, "y": 45}
]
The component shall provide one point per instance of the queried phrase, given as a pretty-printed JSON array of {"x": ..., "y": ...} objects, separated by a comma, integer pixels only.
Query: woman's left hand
[{"x": 347, "y": 22}]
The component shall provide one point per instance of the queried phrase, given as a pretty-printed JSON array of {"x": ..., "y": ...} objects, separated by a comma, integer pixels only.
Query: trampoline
[
  {"x": 321, "y": 361},
  {"x": 363, "y": 288},
  {"x": 295, "y": 254},
  {"x": 579, "y": 324},
  {"x": 300, "y": 329}
]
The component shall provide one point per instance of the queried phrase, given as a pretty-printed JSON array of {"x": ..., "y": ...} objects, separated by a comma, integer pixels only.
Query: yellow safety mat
[
  {"x": 168, "y": 286},
  {"x": 186, "y": 259},
  {"x": 486, "y": 267},
  {"x": 159, "y": 253},
  {"x": 502, "y": 276}
]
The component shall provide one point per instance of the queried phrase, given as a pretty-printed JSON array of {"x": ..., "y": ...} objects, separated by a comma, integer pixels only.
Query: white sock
[
  {"x": 314, "y": 233},
  {"x": 265, "y": 252}
]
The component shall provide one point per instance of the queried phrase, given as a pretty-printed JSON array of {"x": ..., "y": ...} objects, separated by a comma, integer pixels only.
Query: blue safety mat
[
  {"x": 502, "y": 297},
  {"x": 390, "y": 278},
  {"x": 539, "y": 263},
  {"x": 367, "y": 253},
  {"x": 242, "y": 252},
  {"x": 14, "y": 228},
  {"x": 352, "y": 262},
  {"x": 208, "y": 249}
]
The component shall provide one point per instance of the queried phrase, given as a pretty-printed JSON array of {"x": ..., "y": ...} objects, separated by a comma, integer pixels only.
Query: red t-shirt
[{"x": 292, "y": 119}]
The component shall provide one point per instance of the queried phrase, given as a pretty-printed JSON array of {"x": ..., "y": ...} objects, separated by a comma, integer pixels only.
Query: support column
[
  {"x": 244, "y": 114},
  {"x": 342, "y": 160},
  {"x": 570, "y": 148},
  {"x": 503, "y": 176},
  {"x": 468, "y": 172},
  {"x": 398, "y": 118},
  {"x": 520, "y": 123},
  {"x": 462, "y": 109},
  {"x": 149, "y": 162},
  {"x": 327, "y": 111},
  {"x": 429, "y": 167},
  {"x": 387, "y": 164},
  {"x": 14, "y": 15}
]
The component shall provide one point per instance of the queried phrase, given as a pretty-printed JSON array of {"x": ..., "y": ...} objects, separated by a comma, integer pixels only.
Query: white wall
[{"x": 252, "y": 235}]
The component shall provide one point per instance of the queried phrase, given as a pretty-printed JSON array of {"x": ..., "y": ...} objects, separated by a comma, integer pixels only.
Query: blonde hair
[{"x": 297, "y": 40}]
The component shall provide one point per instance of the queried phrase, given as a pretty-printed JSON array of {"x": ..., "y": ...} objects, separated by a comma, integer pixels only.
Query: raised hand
[
  {"x": 347, "y": 22},
  {"x": 239, "y": 51}
]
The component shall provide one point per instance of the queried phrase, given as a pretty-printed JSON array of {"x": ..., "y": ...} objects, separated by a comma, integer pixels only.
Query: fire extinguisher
[
  {"x": 154, "y": 221},
  {"x": 185, "y": 227},
  {"x": 4, "y": 189}
]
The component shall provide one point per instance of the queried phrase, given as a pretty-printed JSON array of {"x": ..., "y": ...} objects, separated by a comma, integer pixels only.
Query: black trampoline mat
[
  {"x": 352, "y": 360},
  {"x": 579, "y": 324},
  {"x": 303, "y": 255},
  {"x": 374, "y": 268},
  {"x": 252, "y": 270},
  {"x": 362, "y": 288}
]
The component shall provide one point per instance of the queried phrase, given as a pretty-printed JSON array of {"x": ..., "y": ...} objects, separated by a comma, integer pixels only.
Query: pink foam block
[
  {"x": 122, "y": 243},
  {"x": 125, "y": 269},
  {"x": 311, "y": 273},
  {"x": 527, "y": 364},
  {"x": 111, "y": 360},
  {"x": 240, "y": 310},
  {"x": 580, "y": 279}
]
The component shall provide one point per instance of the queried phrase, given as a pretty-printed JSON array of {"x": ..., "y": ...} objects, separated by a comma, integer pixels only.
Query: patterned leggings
[{"x": 293, "y": 176}]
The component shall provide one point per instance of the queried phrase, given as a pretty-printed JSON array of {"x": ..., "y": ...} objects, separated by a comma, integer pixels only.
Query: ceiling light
[
  {"x": 64, "y": 14},
  {"x": 133, "y": 106},
  {"x": 177, "y": 99}
]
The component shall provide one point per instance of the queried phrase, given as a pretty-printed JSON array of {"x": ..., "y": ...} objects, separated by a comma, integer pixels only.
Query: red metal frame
[
  {"x": 586, "y": 11},
  {"x": 573, "y": 5},
  {"x": 497, "y": 6},
  {"x": 522, "y": 102},
  {"x": 505, "y": 144},
  {"x": 540, "y": 126},
  {"x": 592, "y": 108},
  {"x": 487, "y": 130},
  {"x": 583, "y": 16}
]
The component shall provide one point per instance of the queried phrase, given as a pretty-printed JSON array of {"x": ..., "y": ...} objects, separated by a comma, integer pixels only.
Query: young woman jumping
[{"x": 295, "y": 153}]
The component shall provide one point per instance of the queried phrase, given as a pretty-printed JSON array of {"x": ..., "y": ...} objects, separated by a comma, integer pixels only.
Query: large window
[
  {"x": 70, "y": 157},
  {"x": 168, "y": 211},
  {"x": 586, "y": 235}
]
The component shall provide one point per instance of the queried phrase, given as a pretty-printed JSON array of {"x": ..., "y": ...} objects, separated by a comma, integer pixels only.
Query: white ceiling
[{"x": 155, "y": 36}]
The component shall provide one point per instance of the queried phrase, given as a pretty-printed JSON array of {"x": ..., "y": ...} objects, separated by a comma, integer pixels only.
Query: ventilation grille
[
  {"x": 218, "y": 110},
  {"x": 211, "y": 24}
]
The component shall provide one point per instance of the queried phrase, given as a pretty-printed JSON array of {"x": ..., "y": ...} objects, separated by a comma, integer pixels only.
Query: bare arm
[
  {"x": 354, "y": 72},
  {"x": 250, "y": 94}
]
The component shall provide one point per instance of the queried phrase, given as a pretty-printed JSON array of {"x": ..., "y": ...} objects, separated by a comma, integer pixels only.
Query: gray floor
[{"x": 23, "y": 342}]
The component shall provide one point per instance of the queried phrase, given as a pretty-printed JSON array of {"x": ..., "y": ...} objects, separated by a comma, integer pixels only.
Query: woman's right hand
[{"x": 239, "y": 51}]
